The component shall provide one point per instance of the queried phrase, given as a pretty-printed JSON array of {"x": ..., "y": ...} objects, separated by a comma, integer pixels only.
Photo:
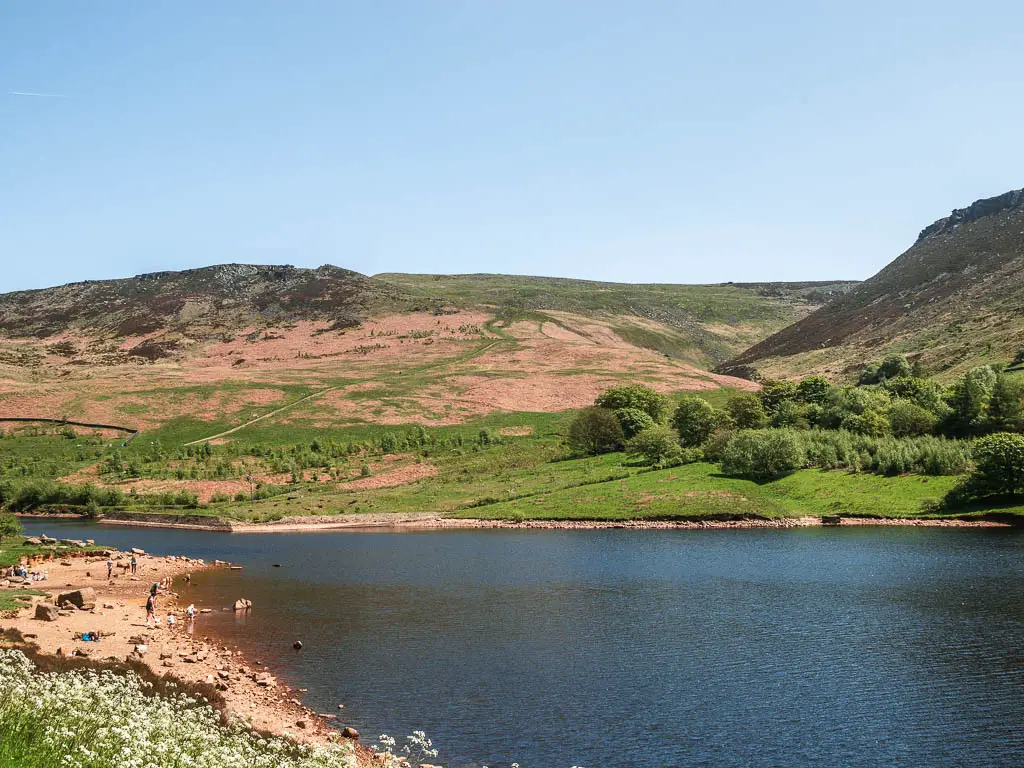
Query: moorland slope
[
  {"x": 952, "y": 301},
  {"x": 207, "y": 350}
]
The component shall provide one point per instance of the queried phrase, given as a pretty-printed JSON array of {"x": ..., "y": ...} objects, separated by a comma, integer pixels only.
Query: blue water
[{"x": 817, "y": 647}]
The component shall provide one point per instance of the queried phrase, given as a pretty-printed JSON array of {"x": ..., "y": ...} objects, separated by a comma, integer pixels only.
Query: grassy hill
[
  {"x": 702, "y": 324},
  {"x": 952, "y": 301}
]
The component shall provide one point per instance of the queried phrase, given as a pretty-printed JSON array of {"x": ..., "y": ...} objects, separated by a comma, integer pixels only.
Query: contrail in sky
[{"x": 33, "y": 93}]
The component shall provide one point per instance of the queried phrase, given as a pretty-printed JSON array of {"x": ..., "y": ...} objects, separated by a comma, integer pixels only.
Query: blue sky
[{"x": 632, "y": 141}]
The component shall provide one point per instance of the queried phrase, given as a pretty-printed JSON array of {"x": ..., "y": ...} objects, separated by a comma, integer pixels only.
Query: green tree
[
  {"x": 763, "y": 454},
  {"x": 633, "y": 421},
  {"x": 633, "y": 396},
  {"x": 747, "y": 411},
  {"x": 908, "y": 419},
  {"x": 928, "y": 394},
  {"x": 969, "y": 401},
  {"x": 595, "y": 431},
  {"x": 890, "y": 368},
  {"x": 658, "y": 445},
  {"x": 774, "y": 392},
  {"x": 1006, "y": 406},
  {"x": 871, "y": 423},
  {"x": 794, "y": 415},
  {"x": 998, "y": 472},
  {"x": 695, "y": 419},
  {"x": 813, "y": 389}
]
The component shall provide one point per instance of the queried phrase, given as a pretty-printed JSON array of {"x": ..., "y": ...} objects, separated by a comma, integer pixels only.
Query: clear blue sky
[{"x": 636, "y": 141}]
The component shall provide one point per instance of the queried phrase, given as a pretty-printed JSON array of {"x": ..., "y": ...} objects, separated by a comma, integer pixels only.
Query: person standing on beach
[
  {"x": 151, "y": 610},
  {"x": 110, "y": 568},
  {"x": 135, "y": 564}
]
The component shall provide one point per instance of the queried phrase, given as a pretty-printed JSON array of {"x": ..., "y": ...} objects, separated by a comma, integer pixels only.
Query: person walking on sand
[
  {"x": 151, "y": 610},
  {"x": 135, "y": 564},
  {"x": 110, "y": 568}
]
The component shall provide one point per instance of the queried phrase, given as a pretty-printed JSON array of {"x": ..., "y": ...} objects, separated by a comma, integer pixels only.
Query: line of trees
[{"x": 894, "y": 421}]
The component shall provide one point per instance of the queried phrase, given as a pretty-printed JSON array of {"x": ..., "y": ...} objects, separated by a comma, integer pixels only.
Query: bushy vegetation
[
  {"x": 763, "y": 454},
  {"x": 894, "y": 423},
  {"x": 998, "y": 474}
]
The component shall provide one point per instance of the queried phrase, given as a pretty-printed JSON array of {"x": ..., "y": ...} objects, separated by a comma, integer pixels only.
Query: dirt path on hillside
[{"x": 458, "y": 359}]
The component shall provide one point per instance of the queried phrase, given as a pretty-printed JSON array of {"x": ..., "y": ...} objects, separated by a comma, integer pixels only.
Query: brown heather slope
[
  {"x": 955, "y": 299},
  {"x": 328, "y": 347}
]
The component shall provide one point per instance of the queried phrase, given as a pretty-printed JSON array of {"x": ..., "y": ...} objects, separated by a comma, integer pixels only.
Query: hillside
[
  {"x": 187, "y": 355},
  {"x": 951, "y": 301}
]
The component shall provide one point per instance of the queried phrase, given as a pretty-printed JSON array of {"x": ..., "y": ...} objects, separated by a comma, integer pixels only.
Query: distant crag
[{"x": 953, "y": 300}]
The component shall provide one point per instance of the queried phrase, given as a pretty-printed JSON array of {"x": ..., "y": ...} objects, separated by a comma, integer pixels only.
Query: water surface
[{"x": 808, "y": 647}]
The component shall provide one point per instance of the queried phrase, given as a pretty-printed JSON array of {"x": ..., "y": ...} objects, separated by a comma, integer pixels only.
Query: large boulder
[
  {"x": 46, "y": 612},
  {"x": 242, "y": 604},
  {"x": 83, "y": 599},
  {"x": 33, "y": 541}
]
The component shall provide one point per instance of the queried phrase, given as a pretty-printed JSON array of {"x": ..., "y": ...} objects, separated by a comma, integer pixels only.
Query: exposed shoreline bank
[{"x": 435, "y": 522}]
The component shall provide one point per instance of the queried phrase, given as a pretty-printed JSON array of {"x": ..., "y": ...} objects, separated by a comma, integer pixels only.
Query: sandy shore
[{"x": 119, "y": 616}]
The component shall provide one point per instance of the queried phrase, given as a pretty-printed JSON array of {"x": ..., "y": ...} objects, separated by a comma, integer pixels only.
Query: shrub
[
  {"x": 763, "y": 454},
  {"x": 595, "y": 431},
  {"x": 633, "y": 421},
  {"x": 9, "y": 525},
  {"x": 637, "y": 396},
  {"x": 747, "y": 411},
  {"x": 998, "y": 472},
  {"x": 695, "y": 419},
  {"x": 658, "y": 445}
]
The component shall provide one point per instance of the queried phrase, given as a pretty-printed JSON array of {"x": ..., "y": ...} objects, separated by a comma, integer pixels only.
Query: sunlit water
[{"x": 816, "y": 647}]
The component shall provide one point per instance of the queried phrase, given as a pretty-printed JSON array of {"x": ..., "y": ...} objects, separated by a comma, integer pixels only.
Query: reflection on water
[{"x": 830, "y": 647}]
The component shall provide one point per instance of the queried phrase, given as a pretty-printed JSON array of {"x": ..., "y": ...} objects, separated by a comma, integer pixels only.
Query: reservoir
[{"x": 616, "y": 648}]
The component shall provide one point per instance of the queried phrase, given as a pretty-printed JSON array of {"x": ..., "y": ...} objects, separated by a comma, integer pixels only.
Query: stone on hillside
[
  {"x": 137, "y": 551},
  {"x": 350, "y": 733},
  {"x": 84, "y": 599},
  {"x": 33, "y": 541},
  {"x": 46, "y": 612},
  {"x": 47, "y": 539}
]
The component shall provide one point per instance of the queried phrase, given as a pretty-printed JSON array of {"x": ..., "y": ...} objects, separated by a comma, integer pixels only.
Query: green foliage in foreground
[{"x": 91, "y": 719}]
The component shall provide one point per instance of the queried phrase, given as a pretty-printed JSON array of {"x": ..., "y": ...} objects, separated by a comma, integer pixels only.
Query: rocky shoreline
[
  {"x": 81, "y": 601},
  {"x": 433, "y": 522}
]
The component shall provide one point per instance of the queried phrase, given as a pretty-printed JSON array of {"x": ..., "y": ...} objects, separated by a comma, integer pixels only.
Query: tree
[
  {"x": 998, "y": 473},
  {"x": 890, "y": 368},
  {"x": 595, "y": 431},
  {"x": 695, "y": 419},
  {"x": 871, "y": 423},
  {"x": 658, "y": 445},
  {"x": 774, "y": 392},
  {"x": 813, "y": 389},
  {"x": 747, "y": 411},
  {"x": 633, "y": 421},
  {"x": 795, "y": 415},
  {"x": 763, "y": 454},
  {"x": 969, "y": 401},
  {"x": 1006, "y": 406},
  {"x": 926, "y": 393},
  {"x": 909, "y": 419},
  {"x": 633, "y": 396}
]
